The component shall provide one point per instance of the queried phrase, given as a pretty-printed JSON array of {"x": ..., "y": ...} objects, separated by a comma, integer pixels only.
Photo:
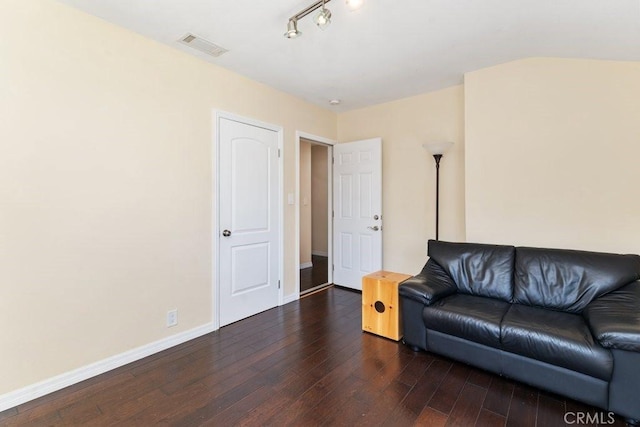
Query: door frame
[
  {"x": 215, "y": 214},
  {"x": 329, "y": 143}
]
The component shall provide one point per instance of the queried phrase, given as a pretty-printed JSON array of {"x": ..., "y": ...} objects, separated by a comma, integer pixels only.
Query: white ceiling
[{"x": 388, "y": 49}]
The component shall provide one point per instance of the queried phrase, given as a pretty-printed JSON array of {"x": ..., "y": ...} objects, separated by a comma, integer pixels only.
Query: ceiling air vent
[{"x": 202, "y": 45}]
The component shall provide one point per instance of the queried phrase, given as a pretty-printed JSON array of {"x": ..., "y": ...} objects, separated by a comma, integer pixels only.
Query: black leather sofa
[{"x": 561, "y": 320}]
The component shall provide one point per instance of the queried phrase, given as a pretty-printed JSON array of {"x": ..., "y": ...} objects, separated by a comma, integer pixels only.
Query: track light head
[
  {"x": 292, "y": 29},
  {"x": 323, "y": 19}
]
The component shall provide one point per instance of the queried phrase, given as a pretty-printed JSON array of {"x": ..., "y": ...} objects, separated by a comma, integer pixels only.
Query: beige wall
[
  {"x": 552, "y": 149},
  {"x": 408, "y": 171},
  {"x": 319, "y": 200},
  {"x": 106, "y": 186},
  {"x": 305, "y": 203}
]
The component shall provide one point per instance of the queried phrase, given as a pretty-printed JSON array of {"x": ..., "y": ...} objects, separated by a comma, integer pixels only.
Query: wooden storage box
[{"x": 380, "y": 304}]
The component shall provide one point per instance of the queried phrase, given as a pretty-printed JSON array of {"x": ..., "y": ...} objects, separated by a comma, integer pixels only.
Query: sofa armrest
[
  {"x": 614, "y": 318},
  {"x": 432, "y": 284}
]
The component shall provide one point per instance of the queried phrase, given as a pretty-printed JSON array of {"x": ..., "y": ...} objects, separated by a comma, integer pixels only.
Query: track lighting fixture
[{"x": 322, "y": 19}]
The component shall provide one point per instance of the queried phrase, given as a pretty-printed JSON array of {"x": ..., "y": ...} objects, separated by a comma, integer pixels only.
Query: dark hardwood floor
[
  {"x": 312, "y": 277},
  {"x": 304, "y": 364}
]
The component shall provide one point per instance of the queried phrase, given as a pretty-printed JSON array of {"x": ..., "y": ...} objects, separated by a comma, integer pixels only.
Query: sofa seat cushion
[
  {"x": 558, "y": 338},
  {"x": 467, "y": 316}
]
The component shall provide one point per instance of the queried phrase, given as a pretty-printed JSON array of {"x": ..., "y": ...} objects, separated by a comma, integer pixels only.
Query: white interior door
[
  {"x": 248, "y": 220},
  {"x": 357, "y": 206}
]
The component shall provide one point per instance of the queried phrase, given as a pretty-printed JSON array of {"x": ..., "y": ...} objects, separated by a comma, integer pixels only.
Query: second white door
[{"x": 357, "y": 206}]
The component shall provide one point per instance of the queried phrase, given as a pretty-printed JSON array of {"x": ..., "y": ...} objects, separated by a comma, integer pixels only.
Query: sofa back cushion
[
  {"x": 569, "y": 280},
  {"x": 477, "y": 269}
]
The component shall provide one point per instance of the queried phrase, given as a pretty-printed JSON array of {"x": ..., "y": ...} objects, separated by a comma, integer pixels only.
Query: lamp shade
[{"x": 436, "y": 148}]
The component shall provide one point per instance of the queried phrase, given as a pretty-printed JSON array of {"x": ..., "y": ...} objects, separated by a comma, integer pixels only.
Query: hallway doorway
[{"x": 315, "y": 167}]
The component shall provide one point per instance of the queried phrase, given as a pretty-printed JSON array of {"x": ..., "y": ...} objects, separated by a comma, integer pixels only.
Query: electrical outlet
[{"x": 172, "y": 317}]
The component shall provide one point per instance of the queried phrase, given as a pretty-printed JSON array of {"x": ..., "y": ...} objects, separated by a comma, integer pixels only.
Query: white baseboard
[
  {"x": 319, "y": 253},
  {"x": 30, "y": 392},
  {"x": 306, "y": 265},
  {"x": 290, "y": 298}
]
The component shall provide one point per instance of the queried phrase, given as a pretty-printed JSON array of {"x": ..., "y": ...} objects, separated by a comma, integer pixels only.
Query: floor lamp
[{"x": 437, "y": 149}]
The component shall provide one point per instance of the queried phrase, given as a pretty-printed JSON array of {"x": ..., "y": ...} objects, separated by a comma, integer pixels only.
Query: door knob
[
  {"x": 376, "y": 217},
  {"x": 374, "y": 228},
  {"x": 226, "y": 233}
]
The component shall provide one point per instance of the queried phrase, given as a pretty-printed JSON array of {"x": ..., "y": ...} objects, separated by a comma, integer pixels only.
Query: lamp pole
[
  {"x": 437, "y": 158},
  {"x": 437, "y": 149}
]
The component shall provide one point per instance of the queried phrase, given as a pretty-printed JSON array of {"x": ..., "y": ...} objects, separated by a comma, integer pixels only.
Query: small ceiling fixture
[
  {"x": 322, "y": 19},
  {"x": 335, "y": 102}
]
